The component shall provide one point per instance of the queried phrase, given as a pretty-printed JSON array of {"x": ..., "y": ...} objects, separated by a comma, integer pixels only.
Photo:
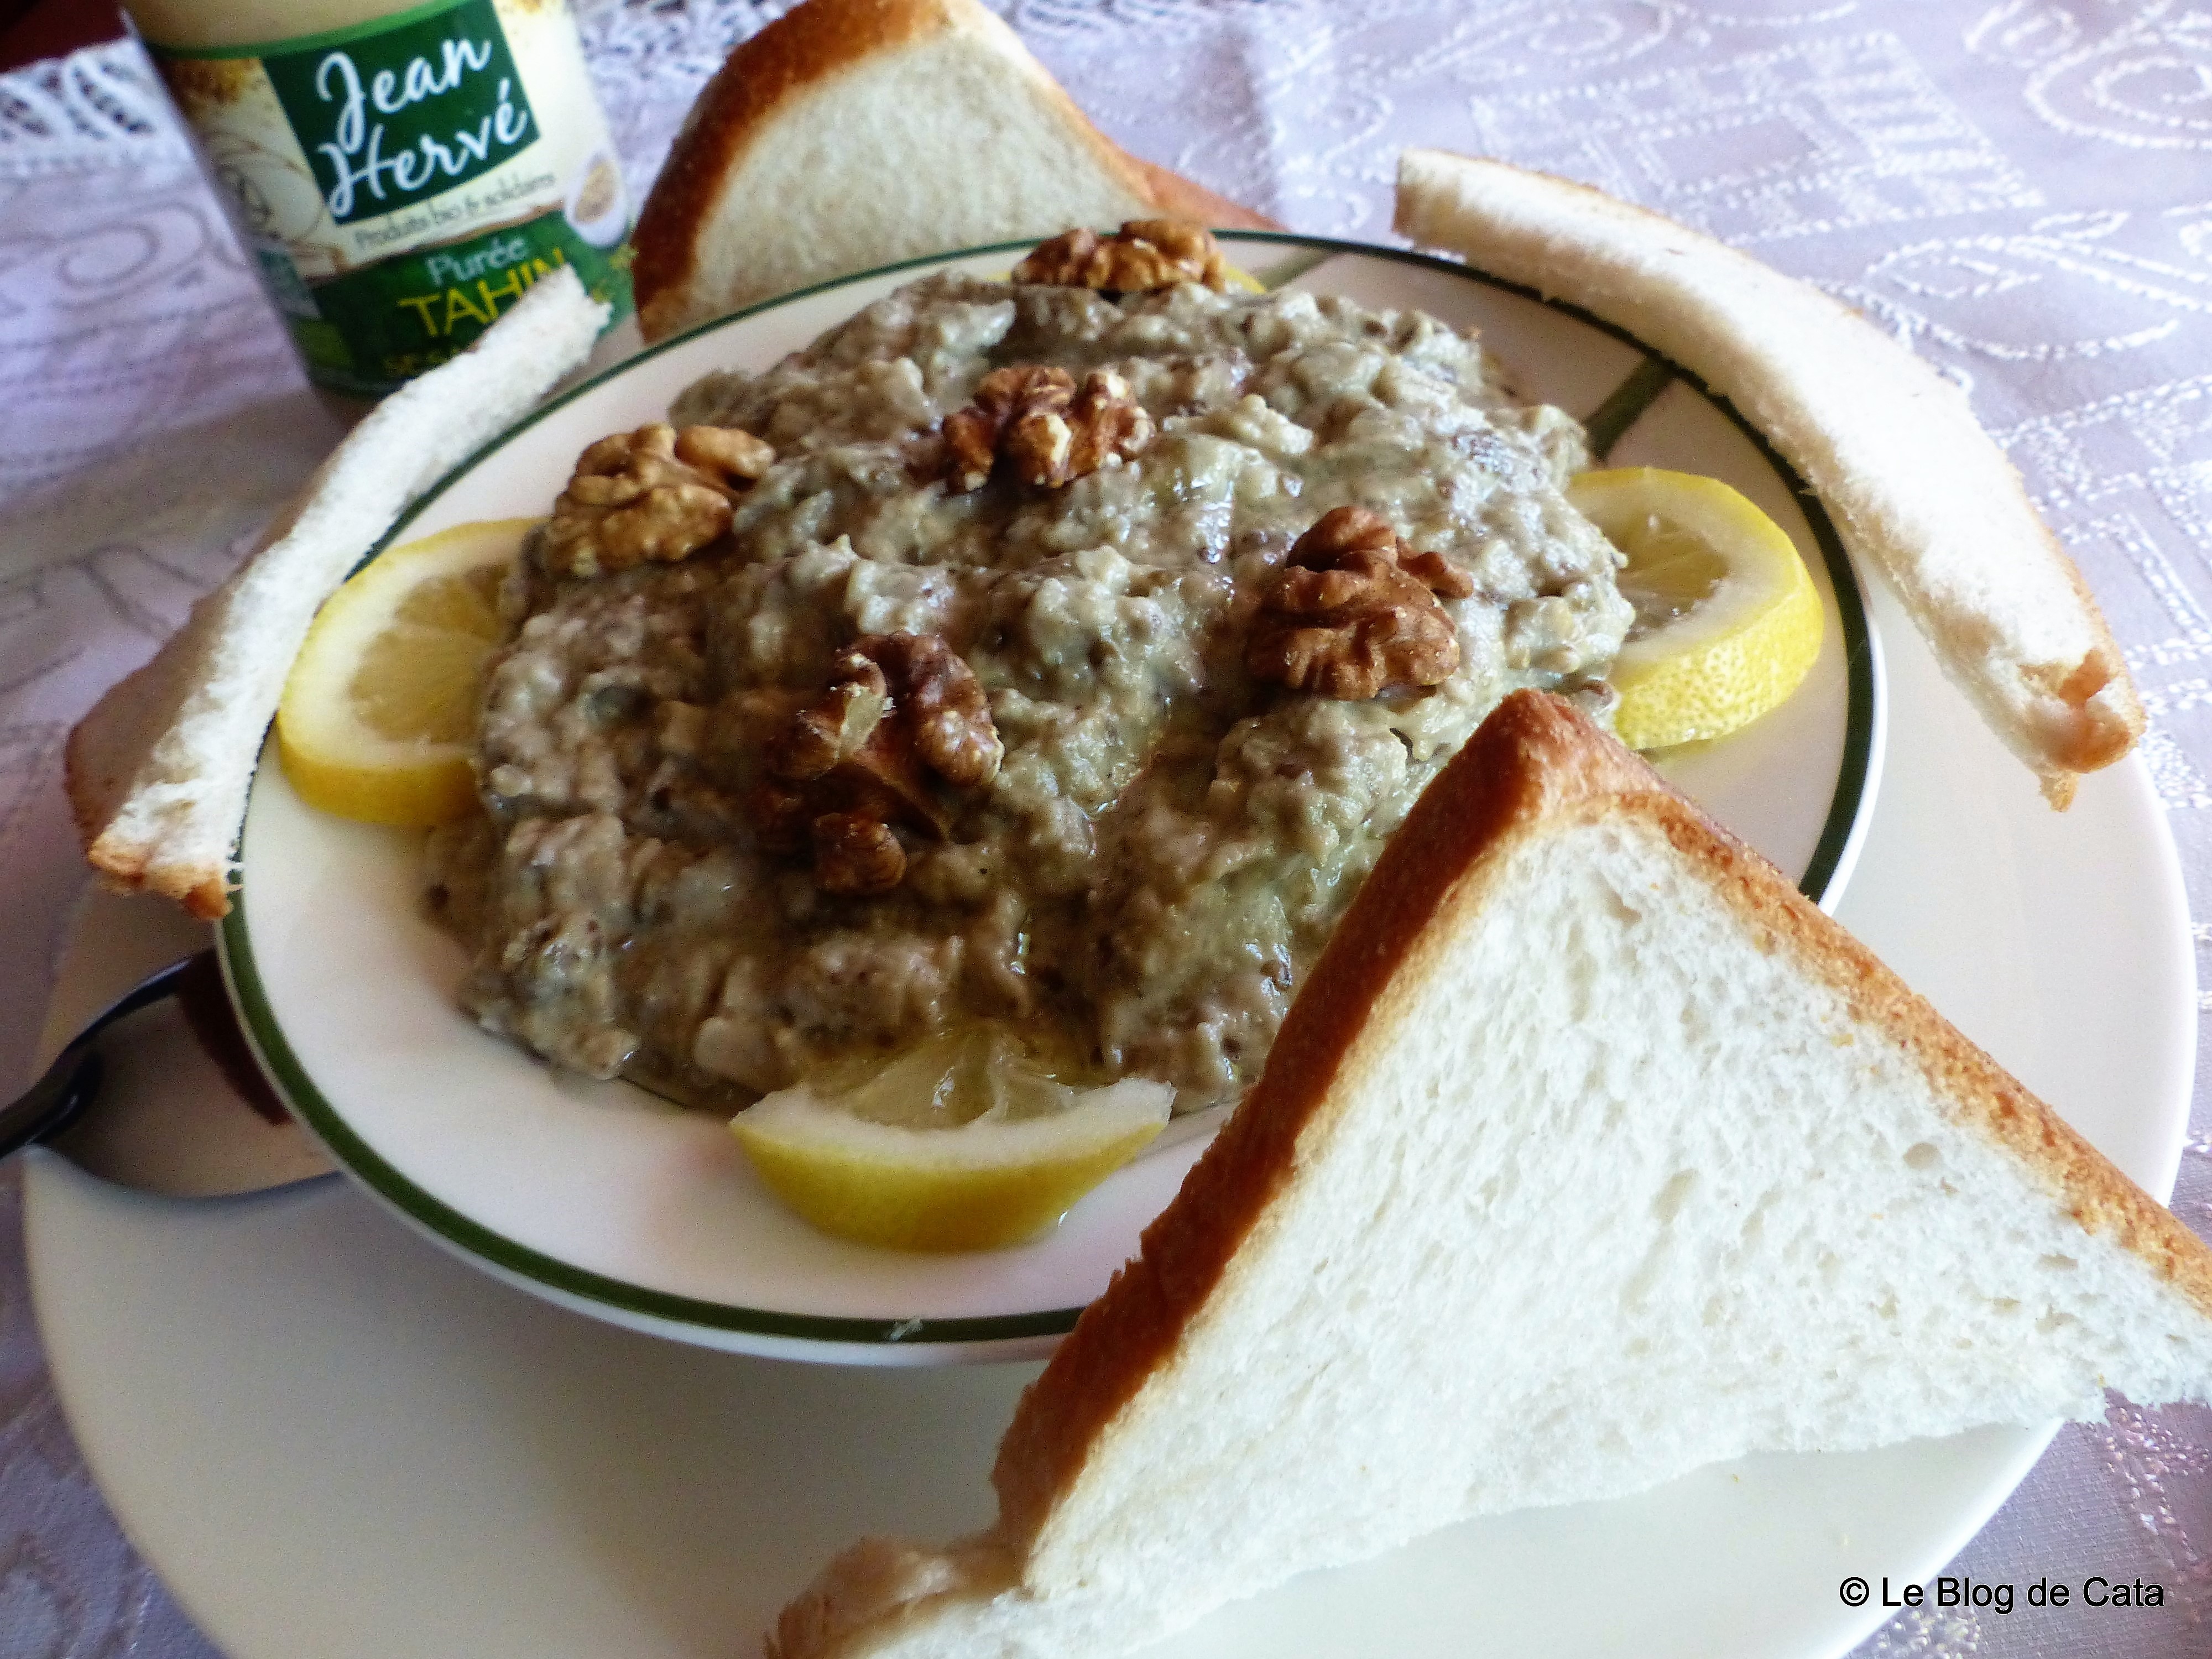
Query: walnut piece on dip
[
  {"x": 1048, "y": 432},
  {"x": 1354, "y": 609},
  {"x": 1145, "y": 254},
  {"x": 654, "y": 494},
  {"x": 900, "y": 709}
]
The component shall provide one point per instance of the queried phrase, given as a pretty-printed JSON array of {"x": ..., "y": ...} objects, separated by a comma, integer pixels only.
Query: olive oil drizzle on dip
[{"x": 1167, "y": 839}]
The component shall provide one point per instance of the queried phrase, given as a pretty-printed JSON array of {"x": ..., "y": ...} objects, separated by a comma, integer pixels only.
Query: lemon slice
[
  {"x": 901, "y": 1162},
  {"x": 380, "y": 706},
  {"x": 1728, "y": 623}
]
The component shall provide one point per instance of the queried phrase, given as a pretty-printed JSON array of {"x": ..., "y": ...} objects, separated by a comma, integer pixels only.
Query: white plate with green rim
[
  {"x": 615, "y": 1203},
  {"x": 332, "y": 1439}
]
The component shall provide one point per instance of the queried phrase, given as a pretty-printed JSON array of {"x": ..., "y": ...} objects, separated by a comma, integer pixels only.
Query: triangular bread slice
[
  {"x": 1890, "y": 445},
  {"x": 850, "y": 134},
  {"x": 1590, "y": 1153}
]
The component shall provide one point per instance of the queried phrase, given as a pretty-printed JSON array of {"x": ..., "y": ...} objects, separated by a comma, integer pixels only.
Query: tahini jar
[{"x": 400, "y": 174}]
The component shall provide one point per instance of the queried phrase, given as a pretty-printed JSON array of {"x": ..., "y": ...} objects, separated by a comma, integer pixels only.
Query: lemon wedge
[
  {"x": 1728, "y": 623},
  {"x": 959, "y": 1144},
  {"x": 381, "y": 705}
]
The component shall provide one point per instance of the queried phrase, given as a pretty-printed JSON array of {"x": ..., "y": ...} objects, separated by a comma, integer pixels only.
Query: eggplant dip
[{"x": 1056, "y": 654}]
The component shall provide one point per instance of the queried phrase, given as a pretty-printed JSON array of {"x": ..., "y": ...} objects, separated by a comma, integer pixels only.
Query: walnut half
[
  {"x": 654, "y": 494},
  {"x": 1049, "y": 434},
  {"x": 899, "y": 709},
  {"x": 1353, "y": 609},
  {"x": 1143, "y": 255},
  {"x": 855, "y": 853}
]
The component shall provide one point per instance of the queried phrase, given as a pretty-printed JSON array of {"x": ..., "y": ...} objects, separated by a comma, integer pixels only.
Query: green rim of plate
[{"x": 451, "y": 1228}]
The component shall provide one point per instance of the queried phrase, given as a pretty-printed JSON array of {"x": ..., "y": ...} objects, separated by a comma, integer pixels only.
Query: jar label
[{"x": 402, "y": 182}]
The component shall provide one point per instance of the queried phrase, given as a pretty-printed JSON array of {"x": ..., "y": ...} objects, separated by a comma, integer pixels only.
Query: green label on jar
[
  {"x": 402, "y": 182},
  {"x": 376, "y": 327},
  {"x": 395, "y": 119}
]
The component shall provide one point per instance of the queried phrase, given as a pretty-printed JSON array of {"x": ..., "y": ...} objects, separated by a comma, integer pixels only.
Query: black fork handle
[{"x": 52, "y": 1104}]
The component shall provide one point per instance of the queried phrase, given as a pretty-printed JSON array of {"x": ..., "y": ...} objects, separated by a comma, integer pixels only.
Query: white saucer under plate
[
  {"x": 334, "y": 1440},
  {"x": 615, "y": 1203}
]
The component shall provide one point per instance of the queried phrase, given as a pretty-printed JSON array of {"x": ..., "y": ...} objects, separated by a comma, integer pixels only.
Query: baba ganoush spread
[{"x": 1141, "y": 773}]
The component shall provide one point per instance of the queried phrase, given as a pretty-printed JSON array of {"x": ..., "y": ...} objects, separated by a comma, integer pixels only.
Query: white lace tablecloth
[{"x": 2020, "y": 190}]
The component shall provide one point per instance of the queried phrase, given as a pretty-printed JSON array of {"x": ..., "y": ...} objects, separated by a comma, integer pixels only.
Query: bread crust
[
  {"x": 807, "y": 45},
  {"x": 1178, "y": 197},
  {"x": 1910, "y": 477},
  {"x": 796, "y": 57},
  {"x": 1535, "y": 766},
  {"x": 99, "y": 765},
  {"x": 157, "y": 772}
]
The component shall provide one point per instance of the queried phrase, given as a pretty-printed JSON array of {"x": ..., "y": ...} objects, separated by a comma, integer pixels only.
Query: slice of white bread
[
  {"x": 157, "y": 772},
  {"x": 1889, "y": 446},
  {"x": 850, "y": 134},
  {"x": 1589, "y": 1153}
]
